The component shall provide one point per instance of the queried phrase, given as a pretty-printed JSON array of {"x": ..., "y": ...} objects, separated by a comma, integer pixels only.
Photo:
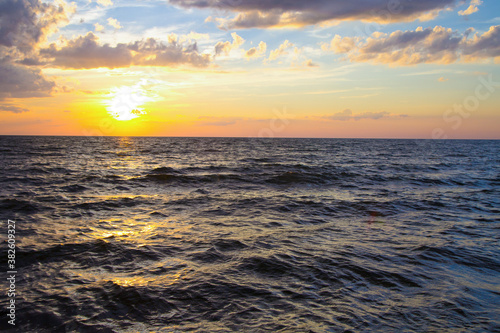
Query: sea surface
[{"x": 127, "y": 234}]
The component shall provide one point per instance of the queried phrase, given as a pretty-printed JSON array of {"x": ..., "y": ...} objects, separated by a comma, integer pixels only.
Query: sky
[{"x": 251, "y": 68}]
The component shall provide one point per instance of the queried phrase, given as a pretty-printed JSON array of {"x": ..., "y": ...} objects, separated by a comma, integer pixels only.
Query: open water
[{"x": 119, "y": 234}]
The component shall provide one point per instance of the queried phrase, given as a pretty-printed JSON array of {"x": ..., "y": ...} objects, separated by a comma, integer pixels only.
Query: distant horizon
[{"x": 244, "y": 137}]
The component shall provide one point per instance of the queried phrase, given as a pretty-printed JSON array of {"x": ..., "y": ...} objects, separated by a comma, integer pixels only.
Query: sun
[{"x": 125, "y": 102}]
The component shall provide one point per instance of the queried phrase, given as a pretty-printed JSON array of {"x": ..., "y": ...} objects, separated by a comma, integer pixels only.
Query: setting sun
[{"x": 125, "y": 102}]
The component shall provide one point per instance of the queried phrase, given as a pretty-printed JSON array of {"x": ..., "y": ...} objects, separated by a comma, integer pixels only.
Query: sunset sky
[{"x": 285, "y": 68}]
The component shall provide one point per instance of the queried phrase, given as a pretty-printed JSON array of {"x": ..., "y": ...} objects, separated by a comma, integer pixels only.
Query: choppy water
[{"x": 252, "y": 235}]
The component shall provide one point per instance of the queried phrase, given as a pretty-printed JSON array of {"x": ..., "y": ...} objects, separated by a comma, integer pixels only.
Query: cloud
[
  {"x": 483, "y": 46},
  {"x": 472, "y": 8},
  {"x": 6, "y": 107},
  {"x": 430, "y": 45},
  {"x": 298, "y": 13},
  {"x": 98, "y": 27},
  {"x": 87, "y": 52},
  {"x": 343, "y": 115},
  {"x": 24, "y": 25},
  {"x": 309, "y": 63},
  {"x": 22, "y": 82},
  {"x": 226, "y": 47},
  {"x": 371, "y": 115},
  {"x": 348, "y": 115},
  {"x": 442, "y": 79},
  {"x": 256, "y": 52},
  {"x": 280, "y": 51},
  {"x": 105, "y": 3},
  {"x": 114, "y": 23},
  {"x": 194, "y": 36}
]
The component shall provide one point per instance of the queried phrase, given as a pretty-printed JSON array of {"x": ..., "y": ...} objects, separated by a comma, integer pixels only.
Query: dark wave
[
  {"x": 23, "y": 206},
  {"x": 191, "y": 179}
]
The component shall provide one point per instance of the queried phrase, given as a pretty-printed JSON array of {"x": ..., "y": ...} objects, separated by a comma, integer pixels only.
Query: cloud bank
[
  {"x": 25, "y": 24},
  {"x": 430, "y": 45},
  {"x": 86, "y": 52},
  {"x": 286, "y": 13}
]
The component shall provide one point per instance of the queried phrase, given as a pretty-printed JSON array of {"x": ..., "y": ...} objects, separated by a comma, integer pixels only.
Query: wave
[{"x": 23, "y": 206}]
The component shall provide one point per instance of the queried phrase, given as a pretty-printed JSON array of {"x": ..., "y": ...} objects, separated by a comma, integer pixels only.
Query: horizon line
[{"x": 242, "y": 137}]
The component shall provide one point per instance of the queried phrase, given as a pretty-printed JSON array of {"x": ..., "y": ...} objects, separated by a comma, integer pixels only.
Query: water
[{"x": 252, "y": 235}]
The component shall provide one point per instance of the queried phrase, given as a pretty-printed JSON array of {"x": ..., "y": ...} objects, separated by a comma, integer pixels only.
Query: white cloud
[
  {"x": 98, "y": 27},
  {"x": 114, "y": 23},
  {"x": 105, "y": 3}
]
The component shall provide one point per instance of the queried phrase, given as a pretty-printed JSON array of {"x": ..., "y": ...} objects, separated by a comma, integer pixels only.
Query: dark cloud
[
  {"x": 430, "y": 45},
  {"x": 151, "y": 52},
  {"x": 21, "y": 82},
  {"x": 12, "y": 108},
  {"x": 266, "y": 13},
  {"x": 24, "y": 24},
  {"x": 486, "y": 45},
  {"x": 86, "y": 52}
]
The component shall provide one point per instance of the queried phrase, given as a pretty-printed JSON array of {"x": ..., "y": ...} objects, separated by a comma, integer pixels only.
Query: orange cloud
[
  {"x": 280, "y": 51},
  {"x": 227, "y": 47},
  {"x": 256, "y": 52},
  {"x": 472, "y": 8}
]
